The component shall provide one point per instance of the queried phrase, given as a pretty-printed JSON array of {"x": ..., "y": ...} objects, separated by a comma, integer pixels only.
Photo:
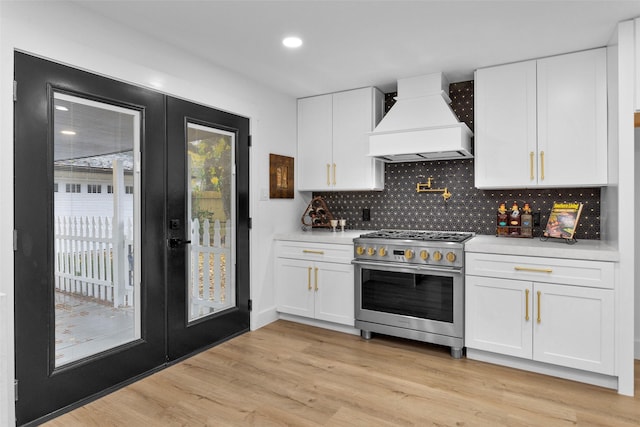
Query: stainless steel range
[{"x": 410, "y": 284}]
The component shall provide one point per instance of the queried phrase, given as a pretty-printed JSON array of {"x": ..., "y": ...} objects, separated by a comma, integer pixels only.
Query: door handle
[
  {"x": 176, "y": 242},
  {"x": 531, "y": 176},
  {"x": 539, "y": 319}
]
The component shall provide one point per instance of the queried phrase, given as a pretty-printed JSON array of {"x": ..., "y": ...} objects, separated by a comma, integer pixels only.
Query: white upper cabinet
[
  {"x": 542, "y": 123},
  {"x": 505, "y": 125},
  {"x": 315, "y": 141},
  {"x": 333, "y": 141}
]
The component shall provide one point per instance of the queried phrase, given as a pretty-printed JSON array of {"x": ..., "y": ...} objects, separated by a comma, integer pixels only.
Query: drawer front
[
  {"x": 596, "y": 274},
  {"x": 314, "y": 251}
]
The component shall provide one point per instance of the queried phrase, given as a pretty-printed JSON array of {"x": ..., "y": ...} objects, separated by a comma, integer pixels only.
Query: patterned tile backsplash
[{"x": 468, "y": 209}]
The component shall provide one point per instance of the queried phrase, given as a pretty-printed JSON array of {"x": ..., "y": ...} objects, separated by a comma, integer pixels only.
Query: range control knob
[
  {"x": 451, "y": 257},
  {"x": 371, "y": 251},
  {"x": 437, "y": 255},
  {"x": 382, "y": 252},
  {"x": 359, "y": 250},
  {"x": 424, "y": 255},
  {"x": 408, "y": 254}
]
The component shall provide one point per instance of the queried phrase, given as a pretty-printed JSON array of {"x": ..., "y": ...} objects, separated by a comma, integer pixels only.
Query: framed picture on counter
[{"x": 563, "y": 221}]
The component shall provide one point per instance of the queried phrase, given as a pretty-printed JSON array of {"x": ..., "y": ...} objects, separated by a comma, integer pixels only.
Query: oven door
[{"x": 420, "y": 298}]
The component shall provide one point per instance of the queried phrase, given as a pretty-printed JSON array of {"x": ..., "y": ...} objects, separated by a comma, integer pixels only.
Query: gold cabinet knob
[
  {"x": 424, "y": 255},
  {"x": 359, "y": 250},
  {"x": 382, "y": 252},
  {"x": 408, "y": 254},
  {"x": 371, "y": 251},
  {"x": 451, "y": 256},
  {"x": 437, "y": 255}
]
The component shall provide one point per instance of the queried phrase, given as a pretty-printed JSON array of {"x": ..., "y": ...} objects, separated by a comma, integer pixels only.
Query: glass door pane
[
  {"x": 96, "y": 227},
  {"x": 211, "y": 212}
]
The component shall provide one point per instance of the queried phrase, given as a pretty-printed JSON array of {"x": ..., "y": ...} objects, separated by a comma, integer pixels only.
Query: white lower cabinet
[
  {"x": 496, "y": 318},
  {"x": 559, "y": 324},
  {"x": 309, "y": 287}
]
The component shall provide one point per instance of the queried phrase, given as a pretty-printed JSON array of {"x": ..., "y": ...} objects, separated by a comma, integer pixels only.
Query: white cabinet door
[
  {"x": 334, "y": 293},
  {"x": 333, "y": 135},
  {"x": 497, "y": 316},
  {"x": 505, "y": 126},
  {"x": 542, "y": 123},
  {"x": 572, "y": 119},
  {"x": 637, "y": 55},
  {"x": 353, "y": 119},
  {"x": 575, "y": 327},
  {"x": 315, "y": 141},
  {"x": 294, "y": 286}
]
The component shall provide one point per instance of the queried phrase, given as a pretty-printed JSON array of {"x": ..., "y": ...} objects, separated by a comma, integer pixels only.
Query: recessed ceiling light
[
  {"x": 292, "y": 42},
  {"x": 156, "y": 84},
  {"x": 61, "y": 108},
  {"x": 67, "y": 132}
]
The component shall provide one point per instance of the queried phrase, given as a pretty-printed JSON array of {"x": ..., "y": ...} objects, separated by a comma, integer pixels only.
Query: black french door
[
  {"x": 107, "y": 289},
  {"x": 208, "y": 214}
]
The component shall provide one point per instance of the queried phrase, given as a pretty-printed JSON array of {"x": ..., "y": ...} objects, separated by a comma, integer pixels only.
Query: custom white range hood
[{"x": 421, "y": 125}]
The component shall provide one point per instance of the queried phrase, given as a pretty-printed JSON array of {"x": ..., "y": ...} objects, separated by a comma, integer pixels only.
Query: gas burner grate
[{"x": 427, "y": 236}]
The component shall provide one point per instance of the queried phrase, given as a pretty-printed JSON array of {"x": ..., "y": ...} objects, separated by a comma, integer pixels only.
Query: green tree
[{"x": 211, "y": 165}]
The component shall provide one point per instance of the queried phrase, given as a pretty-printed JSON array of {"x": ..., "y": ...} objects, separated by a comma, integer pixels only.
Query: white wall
[
  {"x": 69, "y": 34},
  {"x": 619, "y": 226},
  {"x": 637, "y": 189},
  {"x": 637, "y": 244}
]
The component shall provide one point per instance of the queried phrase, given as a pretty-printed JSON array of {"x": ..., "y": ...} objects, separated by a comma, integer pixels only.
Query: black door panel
[
  {"x": 42, "y": 388},
  {"x": 185, "y": 337}
]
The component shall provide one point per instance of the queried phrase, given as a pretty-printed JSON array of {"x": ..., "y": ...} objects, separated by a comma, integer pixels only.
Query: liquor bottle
[
  {"x": 514, "y": 220},
  {"x": 502, "y": 220},
  {"x": 526, "y": 221}
]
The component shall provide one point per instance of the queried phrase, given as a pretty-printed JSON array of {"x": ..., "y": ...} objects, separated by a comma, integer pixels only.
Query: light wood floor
[{"x": 292, "y": 374}]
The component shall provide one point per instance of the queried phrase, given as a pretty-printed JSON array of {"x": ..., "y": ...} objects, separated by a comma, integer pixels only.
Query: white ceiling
[{"x": 349, "y": 44}]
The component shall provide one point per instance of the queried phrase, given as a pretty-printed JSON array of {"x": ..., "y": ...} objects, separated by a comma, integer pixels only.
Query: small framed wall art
[{"x": 280, "y": 177}]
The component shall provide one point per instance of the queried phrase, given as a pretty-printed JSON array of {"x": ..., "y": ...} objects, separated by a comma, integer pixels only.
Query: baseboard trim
[
  {"x": 320, "y": 324},
  {"x": 544, "y": 368}
]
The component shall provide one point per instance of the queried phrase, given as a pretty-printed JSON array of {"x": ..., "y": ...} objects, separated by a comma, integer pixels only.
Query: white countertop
[
  {"x": 323, "y": 236},
  {"x": 590, "y": 250}
]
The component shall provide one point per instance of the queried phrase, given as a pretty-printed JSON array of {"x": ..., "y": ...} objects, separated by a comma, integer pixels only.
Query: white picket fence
[
  {"x": 208, "y": 271},
  {"x": 93, "y": 262}
]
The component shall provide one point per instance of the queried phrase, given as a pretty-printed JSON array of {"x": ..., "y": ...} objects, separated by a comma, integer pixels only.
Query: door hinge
[
  {"x": 249, "y": 141},
  {"x": 15, "y": 389},
  {"x": 250, "y": 305},
  {"x": 15, "y": 240},
  {"x": 15, "y": 90}
]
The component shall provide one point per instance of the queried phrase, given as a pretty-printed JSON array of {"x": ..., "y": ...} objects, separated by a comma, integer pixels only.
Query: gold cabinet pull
[
  {"x": 542, "y": 165},
  {"x": 328, "y": 174},
  {"x": 531, "y": 171},
  {"x": 539, "y": 307},
  {"x": 309, "y": 278},
  {"x": 316, "y": 277},
  {"x": 334, "y": 174},
  {"x": 526, "y": 307},
  {"x": 309, "y": 251},
  {"x": 535, "y": 270}
]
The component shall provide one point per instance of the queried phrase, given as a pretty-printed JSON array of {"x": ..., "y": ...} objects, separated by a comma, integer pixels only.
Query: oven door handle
[{"x": 414, "y": 267}]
